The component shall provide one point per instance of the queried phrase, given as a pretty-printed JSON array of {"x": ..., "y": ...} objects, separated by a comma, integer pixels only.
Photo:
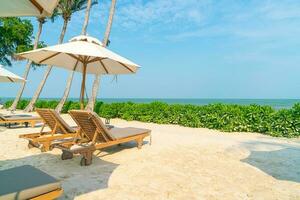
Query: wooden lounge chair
[
  {"x": 28, "y": 182},
  {"x": 59, "y": 130},
  {"x": 7, "y": 120},
  {"x": 99, "y": 136}
]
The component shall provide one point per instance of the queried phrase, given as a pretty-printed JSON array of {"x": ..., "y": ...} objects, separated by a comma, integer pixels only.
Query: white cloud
[
  {"x": 163, "y": 12},
  {"x": 182, "y": 19},
  {"x": 280, "y": 10},
  {"x": 257, "y": 20}
]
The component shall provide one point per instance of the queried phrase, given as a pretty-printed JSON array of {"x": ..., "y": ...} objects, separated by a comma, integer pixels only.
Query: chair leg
[
  {"x": 30, "y": 145},
  {"x": 87, "y": 158},
  {"x": 139, "y": 143},
  {"x": 66, "y": 155},
  {"x": 32, "y": 124},
  {"x": 45, "y": 146}
]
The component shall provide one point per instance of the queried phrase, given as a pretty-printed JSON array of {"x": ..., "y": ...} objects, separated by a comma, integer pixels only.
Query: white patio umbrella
[
  {"x": 7, "y": 76},
  {"x": 82, "y": 54},
  {"x": 17, "y": 8}
]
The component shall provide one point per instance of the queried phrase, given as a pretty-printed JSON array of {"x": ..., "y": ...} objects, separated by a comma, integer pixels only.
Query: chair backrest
[
  {"x": 91, "y": 124},
  {"x": 2, "y": 118},
  {"x": 53, "y": 119}
]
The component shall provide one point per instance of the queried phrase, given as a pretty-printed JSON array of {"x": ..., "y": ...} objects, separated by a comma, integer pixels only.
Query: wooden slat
[
  {"x": 98, "y": 136},
  {"x": 21, "y": 120},
  {"x": 59, "y": 130},
  {"x": 49, "y": 57},
  {"x": 93, "y": 60},
  {"x": 11, "y": 80},
  {"x": 126, "y": 67},
  {"x": 76, "y": 58},
  {"x": 85, "y": 123},
  {"x": 50, "y": 195},
  {"x": 37, "y": 5},
  {"x": 106, "y": 70}
]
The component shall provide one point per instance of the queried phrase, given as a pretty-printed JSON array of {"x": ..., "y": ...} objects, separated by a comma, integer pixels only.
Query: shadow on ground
[
  {"x": 118, "y": 148},
  {"x": 76, "y": 179},
  {"x": 281, "y": 161}
]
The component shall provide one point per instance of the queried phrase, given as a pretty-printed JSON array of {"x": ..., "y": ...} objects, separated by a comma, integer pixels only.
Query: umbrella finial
[{"x": 86, "y": 39}]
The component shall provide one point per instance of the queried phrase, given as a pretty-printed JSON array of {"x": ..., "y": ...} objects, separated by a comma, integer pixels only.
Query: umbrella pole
[{"x": 82, "y": 87}]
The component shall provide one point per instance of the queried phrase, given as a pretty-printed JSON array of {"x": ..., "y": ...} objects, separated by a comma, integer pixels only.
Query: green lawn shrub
[{"x": 223, "y": 117}]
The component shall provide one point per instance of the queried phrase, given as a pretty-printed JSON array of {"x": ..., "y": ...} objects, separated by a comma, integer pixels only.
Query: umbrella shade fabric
[
  {"x": 7, "y": 76},
  {"x": 18, "y": 8},
  {"x": 80, "y": 51},
  {"x": 83, "y": 54}
]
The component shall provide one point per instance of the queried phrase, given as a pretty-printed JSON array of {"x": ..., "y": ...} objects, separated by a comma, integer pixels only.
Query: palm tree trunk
[
  {"x": 71, "y": 75},
  {"x": 86, "y": 18},
  {"x": 30, "y": 106},
  {"x": 109, "y": 22},
  {"x": 66, "y": 93},
  {"x": 63, "y": 31},
  {"x": 27, "y": 68},
  {"x": 96, "y": 83},
  {"x": 95, "y": 88}
]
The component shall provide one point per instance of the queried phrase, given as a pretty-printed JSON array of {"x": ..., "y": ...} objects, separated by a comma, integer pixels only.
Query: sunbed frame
[
  {"x": 50, "y": 195},
  {"x": 19, "y": 120},
  {"x": 59, "y": 130},
  {"x": 98, "y": 136}
]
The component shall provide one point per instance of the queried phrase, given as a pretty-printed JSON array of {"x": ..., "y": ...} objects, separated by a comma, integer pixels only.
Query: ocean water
[{"x": 275, "y": 103}]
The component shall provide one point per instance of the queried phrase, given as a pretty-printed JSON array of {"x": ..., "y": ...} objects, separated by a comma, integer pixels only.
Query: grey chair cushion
[
  {"x": 25, "y": 182},
  {"x": 119, "y": 133},
  {"x": 20, "y": 117}
]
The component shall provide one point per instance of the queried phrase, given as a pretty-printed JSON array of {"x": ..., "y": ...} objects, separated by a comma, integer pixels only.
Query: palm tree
[
  {"x": 65, "y": 8},
  {"x": 41, "y": 21},
  {"x": 96, "y": 83},
  {"x": 71, "y": 75}
]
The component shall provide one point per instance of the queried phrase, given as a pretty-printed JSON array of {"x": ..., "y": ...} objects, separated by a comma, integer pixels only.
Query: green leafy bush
[
  {"x": 229, "y": 118},
  {"x": 7, "y": 104},
  {"x": 21, "y": 105}
]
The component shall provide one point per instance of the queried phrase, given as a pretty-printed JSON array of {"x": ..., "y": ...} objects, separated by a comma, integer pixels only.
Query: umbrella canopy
[
  {"x": 80, "y": 51},
  {"x": 83, "y": 54},
  {"x": 39, "y": 8},
  {"x": 7, "y": 76}
]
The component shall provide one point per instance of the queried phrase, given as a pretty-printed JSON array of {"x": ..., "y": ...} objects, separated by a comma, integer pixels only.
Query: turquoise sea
[{"x": 275, "y": 103}]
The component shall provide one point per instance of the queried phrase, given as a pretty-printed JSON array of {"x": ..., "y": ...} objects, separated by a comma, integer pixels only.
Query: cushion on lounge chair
[
  {"x": 20, "y": 117},
  {"x": 119, "y": 133},
  {"x": 25, "y": 182}
]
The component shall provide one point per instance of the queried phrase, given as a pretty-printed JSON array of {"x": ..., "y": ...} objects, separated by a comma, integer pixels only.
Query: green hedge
[
  {"x": 69, "y": 105},
  {"x": 229, "y": 118}
]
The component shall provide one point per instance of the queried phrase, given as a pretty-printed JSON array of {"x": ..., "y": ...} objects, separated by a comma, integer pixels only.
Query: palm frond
[{"x": 66, "y": 8}]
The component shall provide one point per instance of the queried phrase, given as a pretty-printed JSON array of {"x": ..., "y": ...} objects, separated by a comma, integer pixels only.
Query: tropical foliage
[
  {"x": 229, "y": 118},
  {"x": 15, "y": 35}
]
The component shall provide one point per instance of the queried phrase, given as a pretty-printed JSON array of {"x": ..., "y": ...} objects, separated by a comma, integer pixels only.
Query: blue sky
[{"x": 188, "y": 49}]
